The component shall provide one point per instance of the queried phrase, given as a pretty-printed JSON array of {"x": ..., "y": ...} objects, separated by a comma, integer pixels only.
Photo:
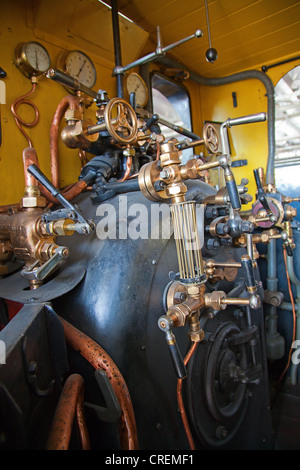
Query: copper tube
[
  {"x": 99, "y": 359},
  {"x": 180, "y": 400},
  {"x": 68, "y": 101},
  {"x": 128, "y": 169},
  {"x": 70, "y": 402},
  {"x": 294, "y": 314},
  {"x": 74, "y": 191},
  {"x": 83, "y": 157},
  {"x": 29, "y": 157},
  {"x": 157, "y": 151},
  {"x": 19, "y": 121},
  {"x": 6, "y": 208}
]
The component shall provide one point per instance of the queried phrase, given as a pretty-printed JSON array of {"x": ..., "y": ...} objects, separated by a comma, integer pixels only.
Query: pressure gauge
[
  {"x": 135, "y": 84},
  {"x": 79, "y": 66},
  {"x": 32, "y": 59}
]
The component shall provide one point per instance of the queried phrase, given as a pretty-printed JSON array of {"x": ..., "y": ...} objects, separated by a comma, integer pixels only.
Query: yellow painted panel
[
  {"x": 248, "y": 141},
  {"x": 17, "y": 25}
]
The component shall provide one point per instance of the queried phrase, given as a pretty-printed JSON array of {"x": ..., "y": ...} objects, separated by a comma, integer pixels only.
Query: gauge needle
[
  {"x": 36, "y": 60},
  {"x": 81, "y": 68}
]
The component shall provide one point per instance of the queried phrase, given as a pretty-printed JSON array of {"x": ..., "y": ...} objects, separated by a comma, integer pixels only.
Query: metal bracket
[
  {"x": 112, "y": 412},
  {"x": 31, "y": 374}
]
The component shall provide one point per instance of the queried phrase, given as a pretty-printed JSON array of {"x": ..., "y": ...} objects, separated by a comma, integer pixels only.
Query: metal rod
[
  {"x": 119, "y": 70},
  {"x": 265, "y": 68},
  {"x": 207, "y": 23},
  {"x": 117, "y": 47},
  {"x": 179, "y": 129},
  {"x": 70, "y": 82}
]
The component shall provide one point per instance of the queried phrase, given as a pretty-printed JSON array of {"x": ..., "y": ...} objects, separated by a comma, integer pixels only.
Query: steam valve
[{"x": 165, "y": 323}]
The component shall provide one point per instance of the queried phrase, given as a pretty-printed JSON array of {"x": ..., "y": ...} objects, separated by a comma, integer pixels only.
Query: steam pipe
[
  {"x": 71, "y": 401},
  {"x": 240, "y": 76},
  {"x": 29, "y": 158},
  {"x": 117, "y": 47},
  {"x": 99, "y": 359},
  {"x": 68, "y": 101}
]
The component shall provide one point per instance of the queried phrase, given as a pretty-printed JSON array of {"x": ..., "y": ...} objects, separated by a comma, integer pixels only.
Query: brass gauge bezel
[
  {"x": 142, "y": 83},
  {"x": 62, "y": 61},
  {"x": 23, "y": 62}
]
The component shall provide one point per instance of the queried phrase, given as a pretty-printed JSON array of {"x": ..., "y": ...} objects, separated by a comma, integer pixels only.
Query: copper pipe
[
  {"x": 180, "y": 400},
  {"x": 128, "y": 169},
  {"x": 70, "y": 402},
  {"x": 99, "y": 359},
  {"x": 74, "y": 191},
  {"x": 83, "y": 157},
  {"x": 6, "y": 208},
  {"x": 68, "y": 101},
  {"x": 29, "y": 157},
  {"x": 294, "y": 314},
  {"x": 157, "y": 150},
  {"x": 19, "y": 121}
]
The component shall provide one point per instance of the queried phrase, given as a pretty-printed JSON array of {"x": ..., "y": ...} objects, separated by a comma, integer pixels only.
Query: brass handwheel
[
  {"x": 123, "y": 127},
  {"x": 210, "y": 138}
]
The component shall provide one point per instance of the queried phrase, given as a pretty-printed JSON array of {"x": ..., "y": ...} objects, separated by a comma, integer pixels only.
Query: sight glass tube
[{"x": 190, "y": 262}]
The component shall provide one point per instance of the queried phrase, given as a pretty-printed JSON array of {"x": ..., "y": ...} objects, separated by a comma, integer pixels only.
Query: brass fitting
[
  {"x": 170, "y": 171},
  {"x": 32, "y": 198},
  {"x": 290, "y": 212},
  {"x": 75, "y": 134},
  {"x": 214, "y": 300},
  {"x": 73, "y": 114},
  {"x": 195, "y": 331},
  {"x": 61, "y": 227},
  {"x": 181, "y": 313}
]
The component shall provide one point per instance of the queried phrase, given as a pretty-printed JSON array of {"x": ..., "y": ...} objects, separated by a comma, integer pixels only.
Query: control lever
[
  {"x": 165, "y": 323},
  {"x": 152, "y": 120},
  {"x": 252, "y": 118},
  {"x": 247, "y": 266},
  {"x": 86, "y": 226},
  {"x": 261, "y": 196},
  {"x": 231, "y": 186},
  {"x": 229, "y": 177},
  {"x": 286, "y": 243},
  {"x": 40, "y": 273}
]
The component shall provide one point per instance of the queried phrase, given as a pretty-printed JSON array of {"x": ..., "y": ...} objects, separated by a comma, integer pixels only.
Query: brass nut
[
  {"x": 33, "y": 201},
  {"x": 264, "y": 238},
  {"x": 179, "y": 314},
  {"x": 195, "y": 290},
  {"x": 196, "y": 337},
  {"x": 129, "y": 152},
  {"x": 214, "y": 300},
  {"x": 73, "y": 115},
  {"x": 176, "y": 189},
  {"x": 60, "y": 227}
]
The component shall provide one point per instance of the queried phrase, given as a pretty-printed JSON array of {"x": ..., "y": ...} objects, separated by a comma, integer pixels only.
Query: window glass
[
  {"x": 172, "y": 103},
  {"x": 287, "y": 135}
]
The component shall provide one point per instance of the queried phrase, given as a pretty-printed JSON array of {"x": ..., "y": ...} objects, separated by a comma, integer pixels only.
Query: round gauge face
[
  {"x": 79, "y": 66},
  {"x": 135, "y": 84},
  {"x": 37, "y": 56}
]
